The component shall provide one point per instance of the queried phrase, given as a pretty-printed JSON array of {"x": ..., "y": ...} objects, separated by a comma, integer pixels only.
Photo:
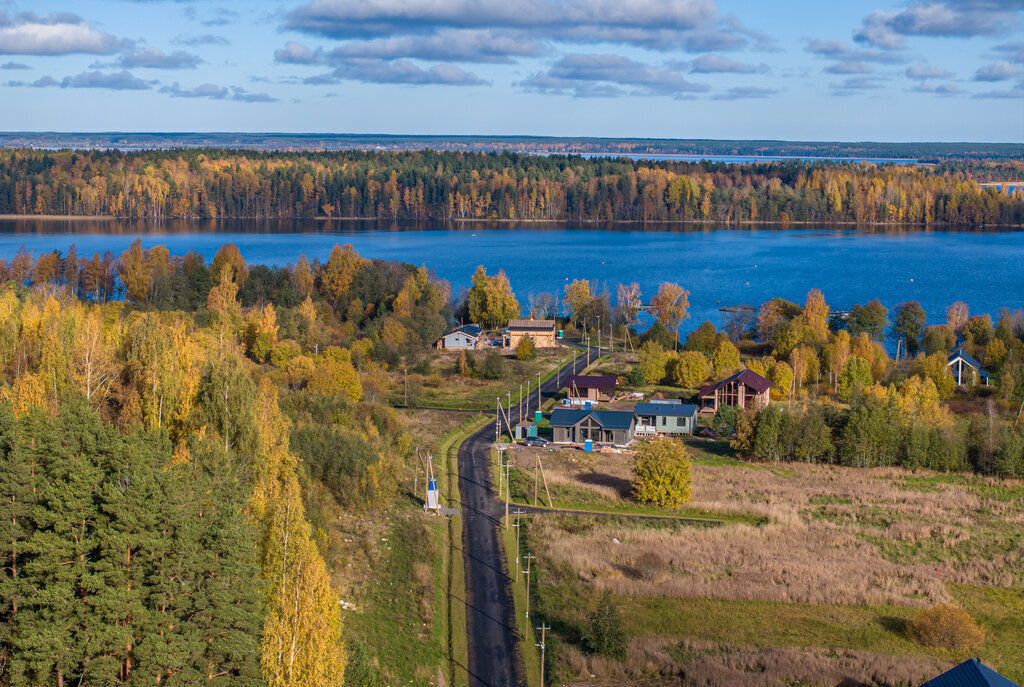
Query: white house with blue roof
[
  {"x": 964, "y": 366},
  {"x": 665, "y": 419},
  {"x": 468, "y": 336}
]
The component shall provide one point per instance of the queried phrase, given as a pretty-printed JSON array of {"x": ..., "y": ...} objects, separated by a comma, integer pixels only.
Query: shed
[
  {"x": 525, "y": 430},
  {"x": 970, "y": 673},
  {"x": 961, "y": 365},
  {"x": 593, "y": 388},
  {"x": 576, "y": 426},
  {"x": 673, "y": 419}
]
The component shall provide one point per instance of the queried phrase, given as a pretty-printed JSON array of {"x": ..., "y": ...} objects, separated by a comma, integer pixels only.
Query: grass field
[
  {"x": 819, "y": 592},
  {"x": 443, "y": 387}
]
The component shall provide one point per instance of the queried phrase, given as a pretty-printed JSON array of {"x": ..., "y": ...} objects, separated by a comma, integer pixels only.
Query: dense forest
[
  {"x": 155, "y": 526},
  {"x": 216, "y": 183}
]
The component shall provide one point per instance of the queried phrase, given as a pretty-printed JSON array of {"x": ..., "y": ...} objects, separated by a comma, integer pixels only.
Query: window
[{"x": 680, "y": 422}]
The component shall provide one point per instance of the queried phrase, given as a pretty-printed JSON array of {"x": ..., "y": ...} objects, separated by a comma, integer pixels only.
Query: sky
[{"x": 936, "y": 70}]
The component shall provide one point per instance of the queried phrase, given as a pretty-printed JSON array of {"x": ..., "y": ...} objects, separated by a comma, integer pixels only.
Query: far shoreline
[{"x": 567, "y": 222}]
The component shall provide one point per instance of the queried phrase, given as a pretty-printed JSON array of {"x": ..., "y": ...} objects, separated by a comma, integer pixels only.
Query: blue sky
[{"x": 949, "y": 70}]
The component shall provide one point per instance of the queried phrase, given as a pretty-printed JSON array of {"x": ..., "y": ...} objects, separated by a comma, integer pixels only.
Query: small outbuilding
[
  {"x": 576, "y": 426},
  {"x": 525, "y": 430},
  {"x": 963, "y": 366},
  {"x": 745, "y": 389},
  {"x": 665, "y": 419},
  {"x": 581, "y": 389},
  {"x": 468, "y": 336},
  {"x": 541, "y": 331}
]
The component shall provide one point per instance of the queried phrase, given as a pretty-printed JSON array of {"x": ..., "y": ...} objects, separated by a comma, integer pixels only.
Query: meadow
[{"x": 814, "y": 584}]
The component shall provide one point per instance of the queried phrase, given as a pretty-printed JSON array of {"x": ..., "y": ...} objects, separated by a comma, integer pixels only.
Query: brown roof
[
  {"x": 591, "y": 382},
  {"x": 532, "y": 325},
  {"x": 748, "y": 377}
]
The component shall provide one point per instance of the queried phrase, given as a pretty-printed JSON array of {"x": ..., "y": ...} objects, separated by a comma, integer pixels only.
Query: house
[
  {"x": 665, "y": 418},
  {"x": 467, "y": 336},
  {"x": 581, "y": 389},
  {"x": 576, "y": 426},
  {"x": 541, "y": 331},
  {"x": 745, "y": 389},
  {"x": 970, "y": 673},
  {"x": 962, "y": 366}
]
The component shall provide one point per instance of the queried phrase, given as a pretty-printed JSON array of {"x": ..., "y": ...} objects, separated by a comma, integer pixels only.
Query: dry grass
[
  {"x": 834, "y": 536},
  {"x": 665, "y": 661}
]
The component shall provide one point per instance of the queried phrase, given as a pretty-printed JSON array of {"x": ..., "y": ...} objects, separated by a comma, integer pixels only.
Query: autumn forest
[{"x": 498, "y": 186}]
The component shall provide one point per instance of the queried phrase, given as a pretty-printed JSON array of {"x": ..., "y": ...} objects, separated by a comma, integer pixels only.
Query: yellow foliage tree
[
  {"x": 661, "y": 473},
  {"x": 301, "y": 644}
]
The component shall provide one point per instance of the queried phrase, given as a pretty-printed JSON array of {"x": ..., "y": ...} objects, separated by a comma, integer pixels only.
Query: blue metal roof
[
  {"x": 666, "y": 409},
  {"x": 609, "y": 419},
  {"x": 470, "y": 329},
  {"x": 970, "y": 360},
  {"x": 970, "y": 673}
]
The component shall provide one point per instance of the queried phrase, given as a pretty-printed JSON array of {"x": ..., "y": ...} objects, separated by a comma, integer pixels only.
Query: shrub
[
  {"x": 493, "y": 366},
  {"x": 946, "y": 627},
  {"x": 661, "y": 473},
  {"x": 636, "y": 376},
  {"x": 648, "y": 565},
  {"x": 526, "y": 349},
  {"x": 603, "y": 633},
  {"x": 724, "y": 420}
]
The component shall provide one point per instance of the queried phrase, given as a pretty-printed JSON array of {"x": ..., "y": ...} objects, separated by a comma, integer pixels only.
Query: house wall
[
  {"x": 457, "y": 340},
  {"x": 562, "y": 435},
  {"x": 540, "y": 339}
]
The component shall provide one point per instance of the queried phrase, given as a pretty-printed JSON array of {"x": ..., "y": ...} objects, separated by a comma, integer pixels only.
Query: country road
[{"x": 493, "y": 639}]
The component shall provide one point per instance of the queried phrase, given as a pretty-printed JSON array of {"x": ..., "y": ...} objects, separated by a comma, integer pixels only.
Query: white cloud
[
  {"x": 997, "y": 71},
  {"x": 56, "y": 34}
]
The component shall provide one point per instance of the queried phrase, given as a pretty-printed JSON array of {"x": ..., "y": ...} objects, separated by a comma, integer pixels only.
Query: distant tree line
[{"x": 214, "y": 183}]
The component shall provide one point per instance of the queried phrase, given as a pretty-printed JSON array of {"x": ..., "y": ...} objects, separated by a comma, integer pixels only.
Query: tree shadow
[
  {"x": 622, "y": 487},
  {"x": 894, "y": 624}
]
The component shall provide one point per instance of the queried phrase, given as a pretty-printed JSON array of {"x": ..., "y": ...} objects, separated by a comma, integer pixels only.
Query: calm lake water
[{"x": 718, "y": 266}]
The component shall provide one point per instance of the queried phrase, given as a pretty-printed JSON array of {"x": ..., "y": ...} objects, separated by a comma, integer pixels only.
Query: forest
[
  {"x": 450, "y": 186},
  {"x": 159, "y": 428}
]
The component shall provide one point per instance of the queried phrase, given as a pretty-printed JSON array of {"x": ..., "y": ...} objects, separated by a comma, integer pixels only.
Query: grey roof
[
  {"x": 531, "y": 325},
  {"x": 609, "y": 419},
  {"x": 970, "y": 673},
  {"x": 970, "y": 360},
  {"x": 666, "y": 409},
  {"x": 468, "y": 329}
]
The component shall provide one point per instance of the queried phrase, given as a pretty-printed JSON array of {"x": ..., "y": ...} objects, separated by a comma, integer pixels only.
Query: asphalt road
[{"x": 493, "y": 639}]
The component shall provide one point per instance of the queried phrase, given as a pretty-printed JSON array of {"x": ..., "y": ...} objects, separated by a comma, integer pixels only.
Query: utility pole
[
  {"x": 543, "y": 629},
  {"x": 406, "y": 371},
  {"x": 520, "y": 401},
  {"x": 538, "y": 391},
  {"x": 508, "y": 491},
  {"x": 501, "y": 469},
  {"x": 529, "y": 559},
  {"x": 518, "y": 512},
  {"x": 599, "y": 331},
  {"x": 497, "y": 419}
]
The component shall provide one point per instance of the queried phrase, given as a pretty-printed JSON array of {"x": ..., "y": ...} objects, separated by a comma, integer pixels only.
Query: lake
[{"x": 718, "y": 266}]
